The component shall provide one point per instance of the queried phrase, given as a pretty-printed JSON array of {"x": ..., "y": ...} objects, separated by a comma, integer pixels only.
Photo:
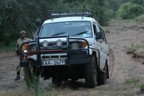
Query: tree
[
  {"x": 129, "y": 11},
  {"x": 17, "y": 15}
]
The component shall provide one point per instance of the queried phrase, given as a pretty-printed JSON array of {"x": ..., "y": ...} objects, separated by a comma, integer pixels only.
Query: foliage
[
  {"x": 129, "y": 11},
  {"x": 133, "y": 80},
  {"x": 142, "y": 87},
  {"x": 140, "y": 18},
  {"x": 141, "y": 2},
  {"x": 98, "y": 7},
  {"x": 17, "y": 15},
  {"x": 10, "y": 48}
]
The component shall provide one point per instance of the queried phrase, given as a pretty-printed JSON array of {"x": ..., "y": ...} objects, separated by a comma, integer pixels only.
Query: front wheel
[
  {"x": 91, "y": 73},
  {"x": 103, "y": 76},
  {"x": 56, "y": 81}
]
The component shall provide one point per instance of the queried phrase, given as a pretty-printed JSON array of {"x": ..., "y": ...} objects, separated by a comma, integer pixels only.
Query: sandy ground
[{"x": 124, "y": 68}]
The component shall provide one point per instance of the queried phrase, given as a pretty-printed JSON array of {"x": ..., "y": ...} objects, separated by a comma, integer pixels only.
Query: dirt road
[
  {"x": 122, "y": 36},
  {"x": 125, "y": 73}
]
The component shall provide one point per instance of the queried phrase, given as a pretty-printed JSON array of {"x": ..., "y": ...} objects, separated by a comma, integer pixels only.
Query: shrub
[
  {"x": 129, "y": 11},
  {"x": 142, "y": 87},
  {"x": 10, "y": 48},
  {"x": 140, "y": 18}
]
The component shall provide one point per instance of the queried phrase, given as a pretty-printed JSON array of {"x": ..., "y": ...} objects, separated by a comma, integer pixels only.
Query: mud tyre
[
  {"x": 56, "y": 81},
  {"x": 91, "y": 73},
  {"x": 102, "y": 79}
]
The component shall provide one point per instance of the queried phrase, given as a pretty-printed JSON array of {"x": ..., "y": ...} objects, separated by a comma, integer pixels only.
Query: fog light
[
  {"x": 25, "y": 52},
  {"x": 59, "y": 42},
  {"x": 45, "y": 43}
]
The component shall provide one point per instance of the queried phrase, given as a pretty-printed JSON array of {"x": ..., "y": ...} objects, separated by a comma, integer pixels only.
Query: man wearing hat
[{"x": 20, "y": 41}]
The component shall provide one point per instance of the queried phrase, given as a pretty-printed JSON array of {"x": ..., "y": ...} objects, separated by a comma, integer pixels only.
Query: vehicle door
[{"x": 102, "y": 44}]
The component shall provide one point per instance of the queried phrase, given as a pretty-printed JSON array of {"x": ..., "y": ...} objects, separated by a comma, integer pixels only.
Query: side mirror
[{"x": 99, "y": 35}]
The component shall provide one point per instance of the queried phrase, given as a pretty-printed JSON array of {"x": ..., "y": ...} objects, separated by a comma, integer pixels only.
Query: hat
[{"x": 22, "y": 32}]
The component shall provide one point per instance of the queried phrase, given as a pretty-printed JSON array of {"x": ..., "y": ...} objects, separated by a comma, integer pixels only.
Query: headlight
[
  {"x": 79, "y": 45},
  {"x": 74, "y": 46},
  {"x": 45, "y": 43}
]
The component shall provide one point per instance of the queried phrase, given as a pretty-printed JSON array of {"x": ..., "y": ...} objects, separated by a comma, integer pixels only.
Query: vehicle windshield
[{"x": 71, "y": 28}]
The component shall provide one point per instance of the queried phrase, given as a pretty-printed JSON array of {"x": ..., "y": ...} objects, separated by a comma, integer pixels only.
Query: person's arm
[
  {"x": 30, "y": 39},
  {"x": 17, "y": 48}
]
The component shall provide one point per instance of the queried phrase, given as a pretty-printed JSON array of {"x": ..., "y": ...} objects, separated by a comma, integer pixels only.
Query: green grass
[
  {"x": 141, "y": 86},
  {"x": 140, "y": 18},
  {"x": 70, "y": 92},
  {"x": 122, "y": 21},
  {"x": 133, "y": 80},
  {"x": 136, "y": 46}
]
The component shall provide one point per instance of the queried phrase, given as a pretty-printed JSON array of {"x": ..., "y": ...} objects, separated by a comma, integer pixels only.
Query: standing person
[{"x": 20, "y": 41}]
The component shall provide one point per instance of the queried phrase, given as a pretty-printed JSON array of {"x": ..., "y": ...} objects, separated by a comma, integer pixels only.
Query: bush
[
  {"x": 140, "y": 18},
  {"x": 129, "y": 11},
  {"x": 10, "y": 48},
  {"x": 17, "y": 15},
  {"x": 142, "y": 87}
]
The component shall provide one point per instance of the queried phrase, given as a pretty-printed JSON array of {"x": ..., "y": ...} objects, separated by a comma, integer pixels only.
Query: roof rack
[{"x": 68, "y": 13}]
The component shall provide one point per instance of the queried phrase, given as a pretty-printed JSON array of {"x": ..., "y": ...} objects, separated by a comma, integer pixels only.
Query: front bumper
[
  {"x": 74, "y": 57},
  {"x": 70, "y": 61}
]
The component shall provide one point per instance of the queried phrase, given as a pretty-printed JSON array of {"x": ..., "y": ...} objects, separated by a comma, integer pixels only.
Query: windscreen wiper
[
  {"x": 58, "y": 33},
  {"x": 80, "y": 33}
]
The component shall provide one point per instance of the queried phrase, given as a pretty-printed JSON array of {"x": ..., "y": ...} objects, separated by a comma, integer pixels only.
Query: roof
[{"x": 73, "y": 18}]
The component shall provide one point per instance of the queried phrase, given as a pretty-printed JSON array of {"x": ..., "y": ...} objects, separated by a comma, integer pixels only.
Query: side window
[
  {"x": 95, "y": 29},
  {"x": 103, "y": 35},
  {"x": 98, "y": 28}
]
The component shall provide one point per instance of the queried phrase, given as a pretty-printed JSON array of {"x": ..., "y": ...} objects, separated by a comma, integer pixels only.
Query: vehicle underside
[{"x": 73, "y": 72}]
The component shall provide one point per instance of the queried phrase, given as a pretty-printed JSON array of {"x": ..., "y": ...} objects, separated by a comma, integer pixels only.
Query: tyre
[
  {"x": 102, "y": 78},
  {"x": 56, "y": 81},
  {"x": 91, "y": 73},
  {"x": 31, "y": 75},
  {"x": 74, "y": 79}
]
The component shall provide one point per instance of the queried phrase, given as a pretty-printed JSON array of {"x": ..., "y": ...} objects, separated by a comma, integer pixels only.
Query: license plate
[{"x": 53, "y": 62}]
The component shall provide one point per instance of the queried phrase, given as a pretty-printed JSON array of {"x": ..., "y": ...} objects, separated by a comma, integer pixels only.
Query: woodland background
[{"x": 17, "y": 15}]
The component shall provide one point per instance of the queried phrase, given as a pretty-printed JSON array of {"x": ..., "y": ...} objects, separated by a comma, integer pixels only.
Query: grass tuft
[
  {"x": 140, "y": 18},
  {"x": 141, "y": 86},
  {"x": 133, "y": 79}
]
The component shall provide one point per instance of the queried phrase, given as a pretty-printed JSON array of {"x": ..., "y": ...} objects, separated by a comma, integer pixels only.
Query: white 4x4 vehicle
[{"x": 68, "y": 46}]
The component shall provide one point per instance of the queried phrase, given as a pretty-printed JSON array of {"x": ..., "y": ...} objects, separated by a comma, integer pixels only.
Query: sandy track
[{"x": 121, "y": 36}]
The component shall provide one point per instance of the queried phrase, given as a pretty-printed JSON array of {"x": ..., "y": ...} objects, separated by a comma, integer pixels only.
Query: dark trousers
[{"x": 18, "y": 69}]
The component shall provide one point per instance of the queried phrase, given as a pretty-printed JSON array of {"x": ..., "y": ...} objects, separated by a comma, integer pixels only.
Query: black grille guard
[{"x": 39, "y": 52}]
